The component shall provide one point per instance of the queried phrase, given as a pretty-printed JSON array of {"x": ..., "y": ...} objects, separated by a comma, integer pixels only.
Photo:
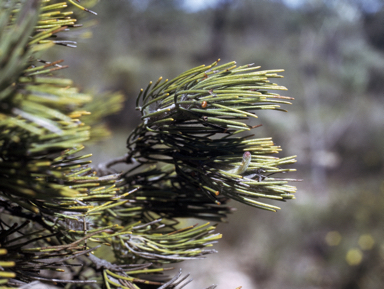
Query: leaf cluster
[{"x": 195, "y": 124}]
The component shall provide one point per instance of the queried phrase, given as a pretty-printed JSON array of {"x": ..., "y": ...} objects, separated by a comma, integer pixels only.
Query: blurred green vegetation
[{"x": 333, "y": 54}]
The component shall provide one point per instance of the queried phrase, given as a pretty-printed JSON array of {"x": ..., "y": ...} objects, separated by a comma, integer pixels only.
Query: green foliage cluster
[
  {"x": 180, "y": 118},
  {"x": 63, "y": 223}
]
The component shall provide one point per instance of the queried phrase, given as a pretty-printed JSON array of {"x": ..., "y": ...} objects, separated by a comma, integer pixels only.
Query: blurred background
[{"x": 332, "y": 51}]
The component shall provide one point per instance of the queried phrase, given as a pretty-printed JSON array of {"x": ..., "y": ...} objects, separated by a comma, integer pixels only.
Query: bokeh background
[{"x": 332, "y": 235}]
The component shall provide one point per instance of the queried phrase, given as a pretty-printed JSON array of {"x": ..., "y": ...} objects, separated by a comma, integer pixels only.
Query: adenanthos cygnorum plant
[{"x": 63, "y": 222}]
